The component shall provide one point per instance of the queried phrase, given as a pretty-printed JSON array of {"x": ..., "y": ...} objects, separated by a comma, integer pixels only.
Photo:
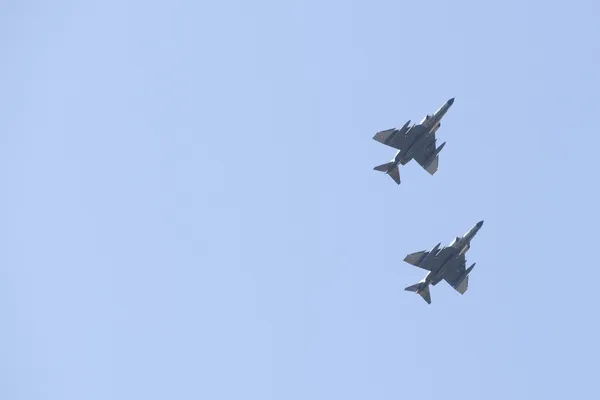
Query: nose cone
[
  {"x": 479, "y": 224},
  {"x": 451, "y": 101}
]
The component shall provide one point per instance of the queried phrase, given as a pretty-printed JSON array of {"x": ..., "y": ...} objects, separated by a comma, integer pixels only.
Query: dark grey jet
[
  {"x": 416, "y": 141},
  {"x": 447, "y": 263}
]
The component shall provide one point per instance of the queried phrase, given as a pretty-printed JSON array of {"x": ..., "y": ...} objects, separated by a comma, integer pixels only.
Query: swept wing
[
  {"x": 390, "y": 137},
  {"x": 416, "y": 258},
  {"x": 425, "y": 153},
  {"x": 454, "y": 272}
]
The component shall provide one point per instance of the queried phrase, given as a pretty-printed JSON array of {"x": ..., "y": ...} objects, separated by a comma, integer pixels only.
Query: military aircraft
[
  {"x": 416, "y": 141},
  {"x": 447, "y": 263}
]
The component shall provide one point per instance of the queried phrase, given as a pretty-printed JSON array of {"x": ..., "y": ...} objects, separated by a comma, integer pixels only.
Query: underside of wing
[
  {"x": 433, "y": 167},
  {"x": 425, "y": 156},
  {"x": 390, "y": 138},
  {"x": 454, "y": 273},
  {"x": 416, "y": 258},
  {"x": 463, "y": 286}
]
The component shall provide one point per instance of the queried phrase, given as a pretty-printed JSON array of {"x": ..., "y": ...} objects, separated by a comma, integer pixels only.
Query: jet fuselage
[
  {"x": 458, "y": 247},
  {"x": 429, "y": 125}
]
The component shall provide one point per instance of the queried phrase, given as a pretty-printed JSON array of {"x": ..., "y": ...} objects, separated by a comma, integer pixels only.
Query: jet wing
[
  {"x": 433, "y": 167},
  {"x": 390, "y": 137},
  {"x": 416, "y": 258},
  {"x": 453, "y": 273},
  {"x": 423, "y": 155},
  {"x": 463, "y": 286},
  {"x": 428, "y": 260}
]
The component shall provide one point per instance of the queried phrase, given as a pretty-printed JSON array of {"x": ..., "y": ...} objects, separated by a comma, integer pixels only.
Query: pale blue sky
[{"x": 189, "y": 208}]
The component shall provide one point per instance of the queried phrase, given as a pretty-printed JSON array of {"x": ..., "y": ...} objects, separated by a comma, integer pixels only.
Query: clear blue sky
[{"x": 189, "y": 208}]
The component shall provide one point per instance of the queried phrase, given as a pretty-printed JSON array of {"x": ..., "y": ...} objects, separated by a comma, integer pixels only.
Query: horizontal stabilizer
[
  {"x": 384, "y": 167},
  {"x": 421, "y": 291},
  {"x": 391, "y": 169},
  {"x": 395, "y": 174},
  {"x": 413, "y": 288}
]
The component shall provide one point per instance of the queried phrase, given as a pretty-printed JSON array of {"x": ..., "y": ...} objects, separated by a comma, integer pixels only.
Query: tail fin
[
  {"x": 421, "y": 290},
  {"x": 391, "y": 169}
]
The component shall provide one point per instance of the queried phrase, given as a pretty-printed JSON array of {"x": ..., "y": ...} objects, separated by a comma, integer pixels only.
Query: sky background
[{"x": 189, "y": 208}]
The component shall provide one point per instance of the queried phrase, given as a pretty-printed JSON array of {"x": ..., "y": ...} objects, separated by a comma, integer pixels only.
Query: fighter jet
[
  {"x": 447, "y": 263},
  {"x": 416, "y": 141}
]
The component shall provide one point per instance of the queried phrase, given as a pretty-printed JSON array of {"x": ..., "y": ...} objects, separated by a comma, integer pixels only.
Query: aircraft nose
[
  {"x": 479, "y": 224},
  {"x": 451, "y": 101}
]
